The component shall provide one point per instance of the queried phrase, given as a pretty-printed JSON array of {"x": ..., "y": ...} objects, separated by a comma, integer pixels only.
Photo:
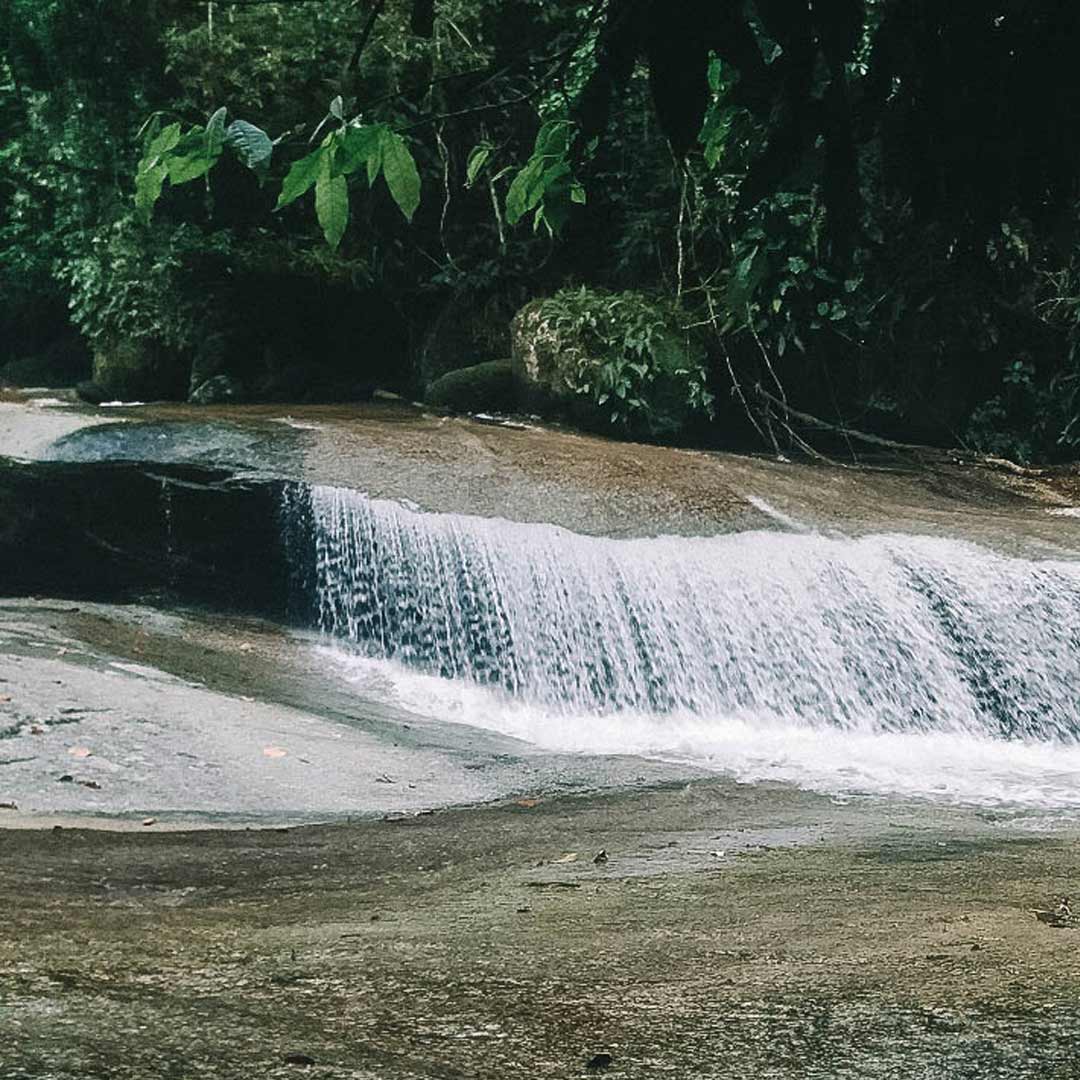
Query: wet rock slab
[
  {"x": 115, "y": 530},
  {"x": 123, "y": 714},
  {"x": 417, "y": 948}
]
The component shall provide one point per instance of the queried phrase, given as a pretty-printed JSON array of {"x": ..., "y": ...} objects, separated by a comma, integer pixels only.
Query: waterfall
[{"x": 875, "y": 635}]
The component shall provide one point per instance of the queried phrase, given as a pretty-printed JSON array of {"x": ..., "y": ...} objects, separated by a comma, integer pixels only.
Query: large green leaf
[
  {"x": 189, "y": 167},
  {"x": 148, "y": 189},
  {"x": 477, "y": 160},
  {"x": 400, "y": 173},
  {"x": 553, "y": 139},
  {"x": 250, "y": 144},
  {"x": 525, "y": 190},
  {"x": 162, "y": 143},
  {"x": 546, "y": 183},
  {"x": 190, "y": 158},
  {"x": 301, "y": 176},
  {"x": 332, "y": 204},
  {"x": 359, "y": 146},
  {"x": 375, "y": 159},
  {"x": 215, "y": 134}
]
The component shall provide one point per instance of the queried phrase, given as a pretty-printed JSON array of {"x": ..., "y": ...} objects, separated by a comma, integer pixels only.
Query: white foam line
[{"x": 777, "y": 515}]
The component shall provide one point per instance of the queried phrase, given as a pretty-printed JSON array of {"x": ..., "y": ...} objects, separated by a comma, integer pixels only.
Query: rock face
[
  {"x": 139, "y": 371},
  {"x": 61, "y": 362},
  {"x": 610, "y": 362},
  {"x": 119, "y": 530},
  {"x": 481, "y": 388},
  {"x": 218, "y": 390},
  {"x": 466, "y": 331}
]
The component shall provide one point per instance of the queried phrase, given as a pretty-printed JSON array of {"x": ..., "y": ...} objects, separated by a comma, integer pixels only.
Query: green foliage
[
  {"x": 952, "y": 313},
  {"x": 145, "y": 283},
  {"x": 545, "y": 184},
  {"x": 723, "y": 120},
  {"x": 627, "y": 352},
  {"x": 373, "y": 148},
  {"x": 399, "y": 171},
  {"x": 251, "y": 145},
  {"x": 779, "y": 289},
  {"x": 478, "y": 158},
  {"x": 301, "y": 177},
  {"x": 331, "y": 203},
  {"x": 182, "y": 156}
]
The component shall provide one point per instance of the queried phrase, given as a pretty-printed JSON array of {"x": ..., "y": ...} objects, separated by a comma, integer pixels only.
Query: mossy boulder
[
  {"x": 140, "y": 370},
  {"x": 487, "y": 387},
  {"x": 465, "y": 331},
  {"x": 619, "y": 362},
  {"x": 62, "y": 362}
]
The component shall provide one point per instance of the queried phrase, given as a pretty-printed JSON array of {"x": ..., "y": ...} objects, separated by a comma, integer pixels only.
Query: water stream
[{"x": 924, "y": 665}]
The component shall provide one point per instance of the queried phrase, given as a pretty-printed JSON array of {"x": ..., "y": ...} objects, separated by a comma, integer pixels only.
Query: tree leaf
[
  {"x": 332, "y": 204},
  {"x": 162, "y": 143},
  {"x": 477, "y": 160},
  {"x": 553, "y": 139},
  {"x": 189, "y": 159},
  {"x": 183, "y": 169},
  {"x": 337, "y": 108},
  {"x": 358, "y": 146},
  {"x": 526, "y": 190},
  {"x": 375, "y": 160},
  {"x": 301, "y": 176},
  {"x": 399, "y": 171},
  {"x": 215, "y": 134},
  {"x": 250, "y": 144},
  {"x": 148, "y": 190}
]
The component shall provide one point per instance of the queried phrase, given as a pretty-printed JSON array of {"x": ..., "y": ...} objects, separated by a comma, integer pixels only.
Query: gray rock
[{"x": 218, "y": 390}]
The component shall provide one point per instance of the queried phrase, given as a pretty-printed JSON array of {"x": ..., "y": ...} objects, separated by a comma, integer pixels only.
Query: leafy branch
[{"x": 180, "y": 156}]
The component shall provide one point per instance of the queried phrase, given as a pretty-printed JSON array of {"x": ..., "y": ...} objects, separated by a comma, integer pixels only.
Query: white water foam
[
  {"x": 951, "y": 767},
  {"x": 914, "y": 665}
]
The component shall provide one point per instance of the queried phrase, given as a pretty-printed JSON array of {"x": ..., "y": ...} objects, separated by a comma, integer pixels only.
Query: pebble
[{"x": 296, "y": 1058}]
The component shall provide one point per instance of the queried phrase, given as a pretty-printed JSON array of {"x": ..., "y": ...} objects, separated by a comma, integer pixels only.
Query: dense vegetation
[{"x": 859, "y": 211}]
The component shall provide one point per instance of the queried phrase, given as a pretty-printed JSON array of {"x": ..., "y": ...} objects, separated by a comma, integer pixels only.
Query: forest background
[{"x": 746, "y": 223}]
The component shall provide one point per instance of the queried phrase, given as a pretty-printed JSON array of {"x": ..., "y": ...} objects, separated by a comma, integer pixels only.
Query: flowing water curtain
[{"x": 873, "y": 634}]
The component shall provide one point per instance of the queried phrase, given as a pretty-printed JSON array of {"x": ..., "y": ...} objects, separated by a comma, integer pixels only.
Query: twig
[
  {"x": 735, "y": 384},
  {"x": 444, "y": 153},
  {"x": 843, "y": 429},
  {"x": 365, "y": 34}
]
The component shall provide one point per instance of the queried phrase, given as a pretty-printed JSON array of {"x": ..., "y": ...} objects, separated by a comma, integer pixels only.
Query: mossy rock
[
  {"x": 464, "y": 331},
  {"x": 63, "y": 362},
  {"x": 140, "y": 370},
  {"x": 566, "y": 349},
  {"x": 487, "y": 387}
]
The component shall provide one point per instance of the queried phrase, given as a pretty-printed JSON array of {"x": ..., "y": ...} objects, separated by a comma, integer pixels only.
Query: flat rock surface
[
  {"x": 529, "y": 472},
  {"x": 728, "y": 931},
  {"x": 130, "y": 713},
  {"x": 733, "y": 931}
]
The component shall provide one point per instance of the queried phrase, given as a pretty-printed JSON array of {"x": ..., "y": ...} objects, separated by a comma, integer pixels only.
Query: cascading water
[{"x": 700, "y": 647}]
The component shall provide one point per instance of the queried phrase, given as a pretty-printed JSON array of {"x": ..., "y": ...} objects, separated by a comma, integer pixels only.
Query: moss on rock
[
  {"x": 487, "y": 387},
  {"x": 620, "y": 361},
  {"x": 140, "y": 369}
]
